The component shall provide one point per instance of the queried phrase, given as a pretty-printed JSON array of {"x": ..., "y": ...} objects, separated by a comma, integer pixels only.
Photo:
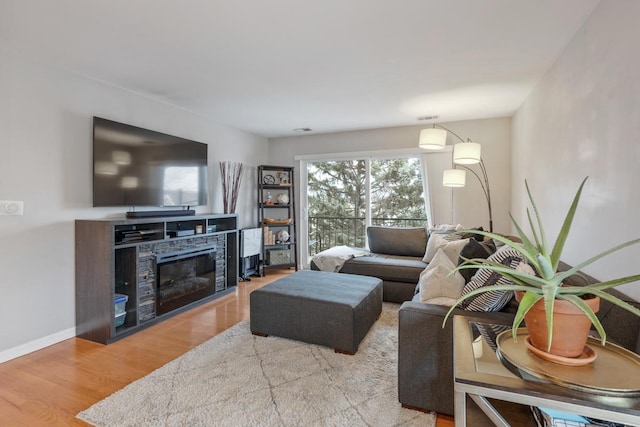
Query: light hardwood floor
[{"x": 50, "y": 386}]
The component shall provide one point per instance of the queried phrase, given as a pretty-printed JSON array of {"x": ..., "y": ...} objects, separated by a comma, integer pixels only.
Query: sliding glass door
[{"x": 343, "y": 197}]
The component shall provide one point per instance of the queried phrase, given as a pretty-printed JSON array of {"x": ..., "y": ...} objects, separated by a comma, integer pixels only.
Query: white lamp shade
[
  {"x": 466, "y": 153},
  {"x": 433, "y": 139},
  {"x": 454, "y": 178}
]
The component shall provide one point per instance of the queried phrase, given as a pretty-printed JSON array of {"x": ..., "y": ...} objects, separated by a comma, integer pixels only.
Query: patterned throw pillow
[{"x": 492, "y": 300}]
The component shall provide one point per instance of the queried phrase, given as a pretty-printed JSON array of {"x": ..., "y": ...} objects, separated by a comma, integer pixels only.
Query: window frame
[{"x": 368, "y": 156}]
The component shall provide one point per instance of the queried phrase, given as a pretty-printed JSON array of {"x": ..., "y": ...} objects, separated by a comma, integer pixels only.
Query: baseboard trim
[{"x": 36, "y": 345}]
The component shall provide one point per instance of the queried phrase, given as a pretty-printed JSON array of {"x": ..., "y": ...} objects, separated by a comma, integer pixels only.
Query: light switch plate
[{"x": 11, "y": 207}]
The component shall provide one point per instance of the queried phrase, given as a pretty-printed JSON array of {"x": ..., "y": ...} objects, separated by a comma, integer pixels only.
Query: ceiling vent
[{"x": 302, "y": 130}]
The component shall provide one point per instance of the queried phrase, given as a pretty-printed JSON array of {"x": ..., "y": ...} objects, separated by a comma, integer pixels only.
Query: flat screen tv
[{"x": 134, "y": 167}]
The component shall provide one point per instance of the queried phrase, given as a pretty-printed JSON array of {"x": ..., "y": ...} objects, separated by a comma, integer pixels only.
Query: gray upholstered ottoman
[{"x": 330, "y": 309}]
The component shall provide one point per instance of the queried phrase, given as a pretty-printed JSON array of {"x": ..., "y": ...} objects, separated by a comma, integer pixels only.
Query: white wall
[
  {"x": 583, "y": 119},
  {"x": 46, "y": 161},
  {"x": 469, "y": 205}
]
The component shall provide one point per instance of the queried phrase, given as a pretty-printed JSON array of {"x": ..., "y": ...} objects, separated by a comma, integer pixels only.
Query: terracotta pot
[{"x": 570, "y": 326}]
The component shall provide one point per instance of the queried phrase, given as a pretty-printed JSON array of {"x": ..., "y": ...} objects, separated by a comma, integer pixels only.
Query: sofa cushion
[
  {"x": 386, "y": 267},
  {"x": 436, "y": 280},
  {"x": 475, "y": 249},
  {"x": 403, "y": 241},
  {"x": 492, "y": 300},
  {"x": 451, "y": 247}
]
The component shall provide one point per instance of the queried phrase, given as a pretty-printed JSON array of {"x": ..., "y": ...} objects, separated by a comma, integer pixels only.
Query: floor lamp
[{"x": 464, "y": 153}]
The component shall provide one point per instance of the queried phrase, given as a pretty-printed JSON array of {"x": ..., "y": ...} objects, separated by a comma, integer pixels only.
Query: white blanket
[{"x": 334, "y": 258}]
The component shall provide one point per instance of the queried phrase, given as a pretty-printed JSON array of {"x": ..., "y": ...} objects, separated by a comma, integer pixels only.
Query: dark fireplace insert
[{"x": 184, "y": 277}]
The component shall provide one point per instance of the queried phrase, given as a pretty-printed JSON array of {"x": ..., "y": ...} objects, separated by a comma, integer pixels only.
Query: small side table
[{"x": 480, "y": 377}]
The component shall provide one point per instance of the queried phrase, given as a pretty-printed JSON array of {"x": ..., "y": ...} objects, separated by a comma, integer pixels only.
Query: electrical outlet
[{"x": 11, "y": 207}]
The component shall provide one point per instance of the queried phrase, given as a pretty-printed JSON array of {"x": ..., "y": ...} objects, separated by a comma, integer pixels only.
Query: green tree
[
  {"x": 396, "y": 191},
  {"x": 336, "y": 193}
]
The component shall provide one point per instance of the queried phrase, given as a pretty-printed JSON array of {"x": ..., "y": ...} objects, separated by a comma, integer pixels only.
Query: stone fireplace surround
[{"x": 147, "y": 254}]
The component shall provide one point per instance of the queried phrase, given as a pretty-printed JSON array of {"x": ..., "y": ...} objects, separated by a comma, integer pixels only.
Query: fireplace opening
[{"x": 184, "y": 277}]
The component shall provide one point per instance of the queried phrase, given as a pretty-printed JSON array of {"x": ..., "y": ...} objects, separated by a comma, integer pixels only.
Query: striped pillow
[{"x": 492, "y": 300}]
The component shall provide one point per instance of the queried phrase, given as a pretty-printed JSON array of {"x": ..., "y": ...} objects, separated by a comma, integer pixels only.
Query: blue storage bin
[
  {"x": 120, "y": 319},
  {"x": 120, "y": 301}
]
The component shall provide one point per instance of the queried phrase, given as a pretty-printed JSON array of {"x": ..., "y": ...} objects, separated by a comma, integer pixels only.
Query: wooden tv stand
[{"x": 119, "y": 257}]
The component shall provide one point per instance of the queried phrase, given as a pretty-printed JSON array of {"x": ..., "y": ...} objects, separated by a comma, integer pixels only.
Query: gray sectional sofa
[
  {"x": 395, "y": 256},
  {"x": 425, "y": 348}
]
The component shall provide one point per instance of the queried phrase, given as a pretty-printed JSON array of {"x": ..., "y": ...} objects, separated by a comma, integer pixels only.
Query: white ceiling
[{"x": 269, "y": 66}]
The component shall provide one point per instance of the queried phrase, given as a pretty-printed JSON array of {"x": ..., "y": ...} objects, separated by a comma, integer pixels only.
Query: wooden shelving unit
[{"x": 277, "y": 217}]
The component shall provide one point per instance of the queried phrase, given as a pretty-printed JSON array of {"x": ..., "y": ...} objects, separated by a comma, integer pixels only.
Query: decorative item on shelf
[
  {"x": 543, "y": 287},
  {"x": 283, "y": 178},
  {"x": 464, "y": 153},
  {"x": 268, "y": 237},
  {"x": 280, "y": 221},
  {"x": 269, "y": 179},
  {"x": 231, "y": 177},
  {"x": 282, "y": 236},
  {"x": 283, "y": 199},
  {"x": 269, "y": 200}
]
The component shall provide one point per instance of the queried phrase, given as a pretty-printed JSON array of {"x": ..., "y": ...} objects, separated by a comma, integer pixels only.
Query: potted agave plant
[{"x": 543, "y": 295}]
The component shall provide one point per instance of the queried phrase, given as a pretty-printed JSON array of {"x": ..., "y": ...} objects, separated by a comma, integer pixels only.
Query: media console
[{"x": 163, "y": 266}]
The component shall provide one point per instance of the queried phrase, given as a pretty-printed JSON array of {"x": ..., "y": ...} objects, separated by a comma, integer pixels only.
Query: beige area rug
[{"x": 238, "y": 379}]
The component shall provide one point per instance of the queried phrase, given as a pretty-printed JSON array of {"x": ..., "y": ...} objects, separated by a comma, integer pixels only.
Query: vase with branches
[{"x": 231, "y": 178}]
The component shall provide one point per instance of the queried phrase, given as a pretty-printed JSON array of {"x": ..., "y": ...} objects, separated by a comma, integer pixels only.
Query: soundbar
[{"x": 156, "y": 214}]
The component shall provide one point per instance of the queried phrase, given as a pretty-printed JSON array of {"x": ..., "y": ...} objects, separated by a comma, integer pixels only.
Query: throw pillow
[
  {"x": 404, "y": 241},
  {"x": 451, "y": 248},
  {"x": 475, "y": 249},
  {"x": 468, "y": 235},
  {"x": 492, "y": 300},
  {"x": 435, "y": 281},
  {"x": 440, "y": 258}
]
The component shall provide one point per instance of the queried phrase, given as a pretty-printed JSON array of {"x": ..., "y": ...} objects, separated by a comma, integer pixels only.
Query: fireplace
[{"x": 184, "y": 277}]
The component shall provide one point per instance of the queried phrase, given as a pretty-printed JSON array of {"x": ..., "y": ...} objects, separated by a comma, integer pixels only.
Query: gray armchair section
[
  {"x": 425, "y": 355},
  {"x": 395, "y": 256},
  {"x": 399, "y": 274}
]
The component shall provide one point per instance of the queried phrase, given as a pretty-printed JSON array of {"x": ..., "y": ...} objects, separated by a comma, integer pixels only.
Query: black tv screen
[{"x": 133, "y": 167}]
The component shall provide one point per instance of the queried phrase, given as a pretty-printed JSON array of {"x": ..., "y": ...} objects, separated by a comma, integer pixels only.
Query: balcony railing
[{"x": 329, "y": 231}]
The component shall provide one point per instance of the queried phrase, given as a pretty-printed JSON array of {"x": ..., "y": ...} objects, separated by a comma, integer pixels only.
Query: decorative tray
[
  {"x": 615, "y": 371},
  {"x": 283, "y": 221}
]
